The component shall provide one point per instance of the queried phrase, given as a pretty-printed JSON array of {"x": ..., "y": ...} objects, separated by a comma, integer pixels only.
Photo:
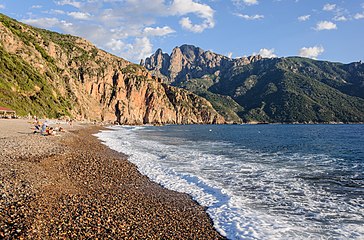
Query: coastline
[{"x": 72, "y": 186}]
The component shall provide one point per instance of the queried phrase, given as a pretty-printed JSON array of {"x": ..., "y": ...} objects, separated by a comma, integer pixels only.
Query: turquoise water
[{"x": 259, "y": 181}]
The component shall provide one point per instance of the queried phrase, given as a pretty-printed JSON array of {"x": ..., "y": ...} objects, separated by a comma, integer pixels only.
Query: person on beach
[
  {"x": 50, "y": 131},
  {"x": 44, "y": 128},
  {"x": 37, "y": 125},
  {"x": 36, "y": 128}
]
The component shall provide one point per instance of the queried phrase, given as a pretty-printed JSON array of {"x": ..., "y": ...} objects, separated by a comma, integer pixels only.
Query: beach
[{"x": 72, "y": 186}]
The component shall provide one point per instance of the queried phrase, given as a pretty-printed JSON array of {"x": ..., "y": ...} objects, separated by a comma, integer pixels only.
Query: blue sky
[{"x": 134, "y": 29}]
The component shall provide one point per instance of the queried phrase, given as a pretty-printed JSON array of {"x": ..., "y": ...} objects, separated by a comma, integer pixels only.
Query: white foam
[{"x": 256, "y": 196}]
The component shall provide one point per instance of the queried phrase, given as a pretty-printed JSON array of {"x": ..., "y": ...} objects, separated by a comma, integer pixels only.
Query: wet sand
[{"x": 73, "y": 187}]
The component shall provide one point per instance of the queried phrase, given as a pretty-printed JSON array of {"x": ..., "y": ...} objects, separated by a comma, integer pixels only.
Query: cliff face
[
  {"x": 49, "y": 74},
  {"x": 137, "y": 98}
]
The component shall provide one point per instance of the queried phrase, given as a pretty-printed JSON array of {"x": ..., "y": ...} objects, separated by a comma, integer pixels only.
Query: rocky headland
[{"x": 47, "y": 74}]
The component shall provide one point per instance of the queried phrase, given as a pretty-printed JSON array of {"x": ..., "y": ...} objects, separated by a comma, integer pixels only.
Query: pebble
[{"x": 74, "y": 187}]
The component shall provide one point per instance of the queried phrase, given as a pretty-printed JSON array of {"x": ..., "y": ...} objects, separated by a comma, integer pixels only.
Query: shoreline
[{"x": 73, "y": 186}]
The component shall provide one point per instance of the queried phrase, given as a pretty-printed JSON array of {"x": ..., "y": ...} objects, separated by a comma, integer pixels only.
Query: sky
[{"x": 134, "y": 29}]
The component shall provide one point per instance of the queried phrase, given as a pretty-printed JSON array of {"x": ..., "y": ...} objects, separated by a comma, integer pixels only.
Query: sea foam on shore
[{"x": 258, "y": 182}]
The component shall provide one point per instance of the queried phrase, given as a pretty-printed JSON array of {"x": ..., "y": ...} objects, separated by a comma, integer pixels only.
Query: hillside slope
[
  {"x": 48, "y": 74},
  {"x": 289, "y": 90}
]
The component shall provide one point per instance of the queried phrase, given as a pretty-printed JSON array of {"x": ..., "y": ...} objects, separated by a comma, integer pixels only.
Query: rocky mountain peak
[
  {"x": 191, "y": 52},
  {"x": 158, "y": 62},
  {"x": 189, "y": 61},
  {"x": 159, "y": 51}
]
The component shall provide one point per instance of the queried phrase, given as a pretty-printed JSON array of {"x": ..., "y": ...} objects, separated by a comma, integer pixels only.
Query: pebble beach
[{"x": 70, "y": 186}]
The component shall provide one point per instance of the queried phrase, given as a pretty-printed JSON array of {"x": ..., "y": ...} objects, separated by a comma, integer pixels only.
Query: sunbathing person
[
  {"x": 37, "y": 126},
  {"x": 50, "y": 131}
]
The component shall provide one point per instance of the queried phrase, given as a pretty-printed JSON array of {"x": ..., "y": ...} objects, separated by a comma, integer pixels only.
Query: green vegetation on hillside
[
  {"x": 22, "y": 87},
  {"x": 225, "y": 105},
  {"x": 292, "y": 89},
  {"x": 25, "y": 90}
]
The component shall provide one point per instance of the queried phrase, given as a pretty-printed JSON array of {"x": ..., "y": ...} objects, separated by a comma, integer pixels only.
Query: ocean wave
[{"x": 249, "y": 194}]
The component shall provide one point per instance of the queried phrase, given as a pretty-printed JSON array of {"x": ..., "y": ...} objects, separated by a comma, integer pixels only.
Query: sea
[{"x": 258, "y": 181}]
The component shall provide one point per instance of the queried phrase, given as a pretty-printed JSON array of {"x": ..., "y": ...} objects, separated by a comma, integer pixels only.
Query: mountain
[
  {"x": 256, "y": 89},
  {"x": 52, "y": 75},
  {"x": 188, "y": 62}
]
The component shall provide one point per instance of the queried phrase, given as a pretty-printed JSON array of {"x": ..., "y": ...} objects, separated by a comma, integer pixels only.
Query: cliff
[{"x": 53, "y": 75}]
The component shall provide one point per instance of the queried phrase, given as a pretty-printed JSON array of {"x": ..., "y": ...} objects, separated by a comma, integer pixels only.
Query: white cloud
[
  {"x": 188, "y": 25},
  {"x": 340, "y": 18},
  {"x": 183, "y": 7},
  {"x": 143, "y": 12},
  {"x": 42, "y": 22},
  {"x": 2, "y": 6},
  {"x": 158, "y": 31},
  {"x": 311, "y": 52},
  {"x": 325, "y": 25},
  {"x": 329, "y": 7},
  {"x": 67, "y": 27},
  {"x": 56, "y": 11},
  {"x": 36, "y": 6},
  {"x": 229, "y": 55},
  {"x": 132, "y": 19},
  {"x": 246, "y": 2},
  {"x": 340, "y": 14},
  {"x": 250, "y": 2},
  {"x": 116, "y": 45},
  {"x": 188, "y": 6},
  {"x": 359, "y": 16},
  {"x": 140, "y": 49},
  {"x": 250, "y": 17},
  {"x": 50, "y": 23},
  {"x": 79, "y": 15},
  {"x": 69, "y": 2},
  {"x": 130, "y": 23},
  {"x": 304, "y": 18},
  {"x": 266, "y": 53}
]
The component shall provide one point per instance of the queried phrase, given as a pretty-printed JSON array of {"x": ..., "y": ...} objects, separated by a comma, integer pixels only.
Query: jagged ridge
[{"x": 188, "y": 62}]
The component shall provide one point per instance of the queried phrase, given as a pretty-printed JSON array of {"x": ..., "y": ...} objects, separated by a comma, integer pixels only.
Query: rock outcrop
[
  {"x": 189, "y": 62},
  {"x": 49, "y": 74}
]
